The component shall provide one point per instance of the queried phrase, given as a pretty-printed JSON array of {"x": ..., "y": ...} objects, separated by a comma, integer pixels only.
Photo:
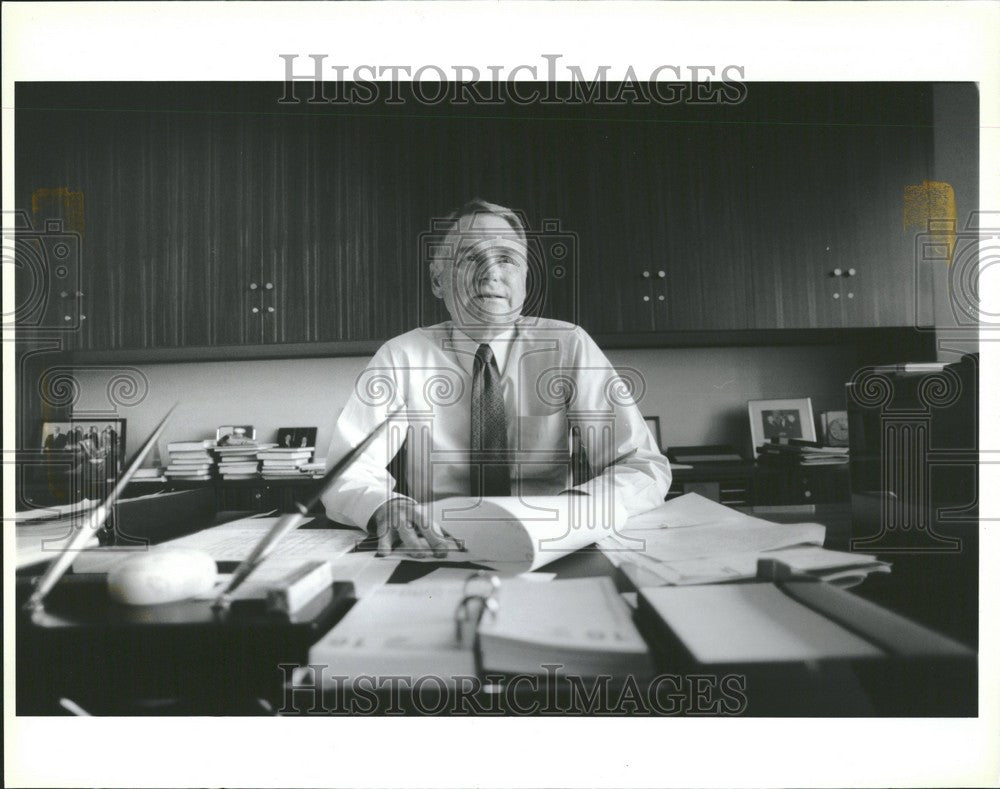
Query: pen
[
  {"x": 288, "y": 523},
  {"x": 94, "y": 521}
]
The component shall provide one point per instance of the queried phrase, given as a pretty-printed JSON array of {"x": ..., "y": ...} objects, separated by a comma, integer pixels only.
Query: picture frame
[
  {"x": 787, "y": 418},
  {"x": 234, "y": 434},
  {"x": 293, "y": 437},
  {"x": 653, "y": 423},
  {"x": 91, "y": 450},
  {"x": 834, "y": 426}
]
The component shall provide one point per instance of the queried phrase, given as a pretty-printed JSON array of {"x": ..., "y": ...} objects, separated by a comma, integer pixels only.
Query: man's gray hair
[{"x": 470, "y": 210}]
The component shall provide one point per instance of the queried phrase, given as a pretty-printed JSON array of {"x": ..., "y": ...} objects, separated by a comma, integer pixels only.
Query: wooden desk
[{"x": 111, "y": 673}]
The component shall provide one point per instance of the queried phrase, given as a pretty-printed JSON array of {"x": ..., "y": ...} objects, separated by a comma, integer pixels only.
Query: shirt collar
[{"x": 464, "y": 347}]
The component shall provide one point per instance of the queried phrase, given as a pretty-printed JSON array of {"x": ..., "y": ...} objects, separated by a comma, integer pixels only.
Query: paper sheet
[
  {"x": 55, "y": 511},
  {"x": 233, "y": 542},
  {"x": 726, "y": 538},
  {"x": 690, "y": 509},
  {"x": 514, "y": 535}
]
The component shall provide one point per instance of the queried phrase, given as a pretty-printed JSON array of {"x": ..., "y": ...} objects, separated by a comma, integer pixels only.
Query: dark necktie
[{"x": 489, "y": 473}]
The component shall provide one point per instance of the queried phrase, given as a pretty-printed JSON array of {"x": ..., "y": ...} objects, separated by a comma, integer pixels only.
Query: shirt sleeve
[
  {"x": 627, "y": 463},
  {"x": 367, "y": 484}
]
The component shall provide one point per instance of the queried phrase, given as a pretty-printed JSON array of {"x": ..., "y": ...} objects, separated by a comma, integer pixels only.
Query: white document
[
  {"x": 233, "y": 542},
  {"x": 692, "y": 527},
  {"x": 515, "y": 535},
  {"x": 746, "y": 623},
  {"x": 834, "y": 566},
  {"x": 55, "y": 511},
  {"x": 691, "y": 509}
]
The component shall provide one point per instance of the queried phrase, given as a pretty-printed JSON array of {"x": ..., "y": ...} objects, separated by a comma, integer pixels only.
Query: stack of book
[
  {"x": 284, "y": 462},
  {"x": 153, "y": 474},
  {"x": 315, "y": 468},
  {"x": 190, "y": 460},
  {"x": 802, "y": 453},
  {"x": 239, "y": 461}
]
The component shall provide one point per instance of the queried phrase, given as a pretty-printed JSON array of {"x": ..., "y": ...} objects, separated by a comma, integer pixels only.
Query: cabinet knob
[
  {"x": 83, "y": 317},
  {"x": 645, "y": 275},
  {"x": 644, "y": 298},
  {"x": 838, "y": 272},
  {"x": 661, "y": 273},
  {"x": 807, "y": 494},
  {"x": 67, "y": 318},
  {"x": 836, "y": 295},
  {"x": 270, "y": 309},
  {"x": 63, "y": 294},
  {"x": 661, "y": 297},
  {"x": 268, "y": 286},
  {"x": 79, "y": 293},
  {"x": 253, "y": 286},
  {"x": 851, "y": 272},
  {"x": 850, "y": 295},
  {"x": 254, "y": 310}
]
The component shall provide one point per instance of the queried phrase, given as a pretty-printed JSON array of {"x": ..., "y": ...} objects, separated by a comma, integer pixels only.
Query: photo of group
[
  {"x": 95, "y": 439},
  {"x": 296, "y": 437},
  {"x": 96, "y": 448}
]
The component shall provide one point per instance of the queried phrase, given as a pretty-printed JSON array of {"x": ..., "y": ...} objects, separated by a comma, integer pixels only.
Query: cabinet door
[
  {"x": 617, "y": 240},
  {"x": 881, "y": 291},
  {"x": 203, "y": 247},
  {"x": 702, "y": 185},
  {"x": 828, "y": 240}
]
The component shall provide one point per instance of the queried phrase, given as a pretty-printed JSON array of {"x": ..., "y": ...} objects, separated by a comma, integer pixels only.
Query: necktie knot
[{"x": 484, "y": 355}]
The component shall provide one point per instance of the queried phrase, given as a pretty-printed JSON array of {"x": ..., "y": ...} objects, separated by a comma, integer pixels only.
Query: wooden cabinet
[
  {"x": 220, "y": 218},
  {"x": 826, "y": 222},
  {"x": 760, "y": 484}
]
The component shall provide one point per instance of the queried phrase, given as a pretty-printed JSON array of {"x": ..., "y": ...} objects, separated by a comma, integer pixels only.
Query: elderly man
[{"x": 489, "y": 403}]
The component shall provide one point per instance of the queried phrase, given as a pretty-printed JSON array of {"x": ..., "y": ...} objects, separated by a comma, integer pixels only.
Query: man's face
[{"x": 484, "y": 283}]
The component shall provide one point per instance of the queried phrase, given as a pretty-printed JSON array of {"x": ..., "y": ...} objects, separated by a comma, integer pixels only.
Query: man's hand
[{"x": 419, "y": 537}]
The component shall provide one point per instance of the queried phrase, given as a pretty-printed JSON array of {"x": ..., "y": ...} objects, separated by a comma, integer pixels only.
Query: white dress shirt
[{"x": 555, "y": 380}]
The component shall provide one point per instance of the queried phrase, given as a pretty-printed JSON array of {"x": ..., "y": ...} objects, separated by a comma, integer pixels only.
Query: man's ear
[{"x": 436, "y": 288}]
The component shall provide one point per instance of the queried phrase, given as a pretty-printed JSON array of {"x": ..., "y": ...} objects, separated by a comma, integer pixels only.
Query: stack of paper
[{"x": 692, "y": 540}]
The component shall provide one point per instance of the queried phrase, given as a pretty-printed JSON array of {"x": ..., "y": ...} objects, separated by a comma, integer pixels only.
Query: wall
[
  {"x": 700, "y": 394},
  {"x": 956, "y": 162}
]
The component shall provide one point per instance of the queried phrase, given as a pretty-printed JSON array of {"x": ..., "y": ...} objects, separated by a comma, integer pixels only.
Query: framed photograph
[
  {"x": 297, "y": 437},
  {"x": 94, "y": 449},
  {"x": 229, "y": 435},
  {"x": 834, "y": 424},
  {"x": 781, "y": 419},
  {"x": 653, "y": 423}
]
